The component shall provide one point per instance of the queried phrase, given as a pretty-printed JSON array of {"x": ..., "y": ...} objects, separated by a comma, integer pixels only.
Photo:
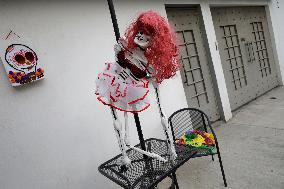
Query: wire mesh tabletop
[{"x": 145, "y": 172}]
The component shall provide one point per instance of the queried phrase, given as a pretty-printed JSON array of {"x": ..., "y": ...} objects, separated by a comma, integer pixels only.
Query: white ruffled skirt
[{"x": 124, "y": 95}]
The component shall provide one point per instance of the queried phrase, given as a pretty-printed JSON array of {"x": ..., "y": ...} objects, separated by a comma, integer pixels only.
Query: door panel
[
  {"x": 195, "y": 72},
  {"x": 246, "y": 53}
]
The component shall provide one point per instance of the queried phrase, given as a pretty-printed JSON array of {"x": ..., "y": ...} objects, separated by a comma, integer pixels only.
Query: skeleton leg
[
  {"x": 166, "y": 126},
  {"x": 119, "y": 132},
  {"x": 126, "y": 137},
  {"x": 127, "y": 142}
]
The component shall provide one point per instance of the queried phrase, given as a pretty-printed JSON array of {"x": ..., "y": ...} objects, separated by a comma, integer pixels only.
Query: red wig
[{"x": 162, "y": 53}]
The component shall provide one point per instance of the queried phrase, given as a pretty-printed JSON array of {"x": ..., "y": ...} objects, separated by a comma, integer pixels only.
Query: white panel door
[
  {"x": 246, "y": 52},
  {"x": 196, "y": 75}
]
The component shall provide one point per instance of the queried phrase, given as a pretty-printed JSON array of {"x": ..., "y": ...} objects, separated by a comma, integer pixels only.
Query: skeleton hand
[
  {"x": 121, "y": 44},
  {"x": 117, "y": 48}
]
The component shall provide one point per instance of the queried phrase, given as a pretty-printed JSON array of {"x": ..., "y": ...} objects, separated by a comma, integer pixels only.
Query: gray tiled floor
[{"x": 252, "y": 148}]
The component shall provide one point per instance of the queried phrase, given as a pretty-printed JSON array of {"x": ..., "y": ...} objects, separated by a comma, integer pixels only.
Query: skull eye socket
[
  {"x": 20, "y": 59},
  {"x": 29, "y": 56}
]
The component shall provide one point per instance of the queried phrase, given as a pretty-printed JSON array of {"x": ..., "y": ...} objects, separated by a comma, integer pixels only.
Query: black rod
[
  {"x": 158, "y": 99},
  {"x": 117, "y": 35},
  {"x": 112, "y": 111},
  {"x": 116, "y": 32},
  {"x": 113, "y": 19}
]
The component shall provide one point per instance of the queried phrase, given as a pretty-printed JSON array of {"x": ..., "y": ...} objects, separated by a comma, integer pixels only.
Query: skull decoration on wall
[{"x": 21, "y": 63}]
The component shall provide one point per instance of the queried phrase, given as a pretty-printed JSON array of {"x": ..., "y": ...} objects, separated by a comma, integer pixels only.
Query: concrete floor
[{"x": 252, "y": 148}]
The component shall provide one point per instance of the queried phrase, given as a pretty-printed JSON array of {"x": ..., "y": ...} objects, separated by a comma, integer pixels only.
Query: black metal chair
[{"x": 180, "y": 122}]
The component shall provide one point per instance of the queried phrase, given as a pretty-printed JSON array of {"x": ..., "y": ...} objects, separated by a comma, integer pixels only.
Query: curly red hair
[{"x": 162, "y": 53}]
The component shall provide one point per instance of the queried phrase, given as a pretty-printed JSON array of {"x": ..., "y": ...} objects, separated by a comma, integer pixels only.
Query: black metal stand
[{"x": 147, "y": 173}]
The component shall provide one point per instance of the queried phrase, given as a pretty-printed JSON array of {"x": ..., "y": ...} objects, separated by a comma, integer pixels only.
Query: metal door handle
[
  {"x": 252, "y": 51},
  {"x": 249, "y": 51}
]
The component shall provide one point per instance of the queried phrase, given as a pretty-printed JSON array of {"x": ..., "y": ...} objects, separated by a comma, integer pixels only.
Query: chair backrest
[{"x": 188, "y": 118}]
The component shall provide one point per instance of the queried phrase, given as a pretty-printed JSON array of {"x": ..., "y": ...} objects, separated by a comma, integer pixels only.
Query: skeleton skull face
[
  {"x": 142, "y": 40},
  {"x": 21, "y": 57}
]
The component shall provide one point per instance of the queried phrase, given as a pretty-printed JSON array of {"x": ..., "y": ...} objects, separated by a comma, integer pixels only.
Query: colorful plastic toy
[{"x": 198, "y": 139}]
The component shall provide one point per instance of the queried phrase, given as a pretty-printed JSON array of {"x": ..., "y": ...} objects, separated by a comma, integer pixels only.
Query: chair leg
[
  {"x": 175, "y": 180},
  {"x": 212, "y": 157},
  {"x": 221, "y": 166}
]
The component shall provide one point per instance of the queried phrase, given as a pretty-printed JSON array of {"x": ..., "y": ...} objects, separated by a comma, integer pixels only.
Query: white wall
[{"x": 54, "y": 133}]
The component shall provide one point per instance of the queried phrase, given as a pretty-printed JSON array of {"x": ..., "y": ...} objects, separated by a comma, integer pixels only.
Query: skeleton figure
[{"x": 147, "y": 54}]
